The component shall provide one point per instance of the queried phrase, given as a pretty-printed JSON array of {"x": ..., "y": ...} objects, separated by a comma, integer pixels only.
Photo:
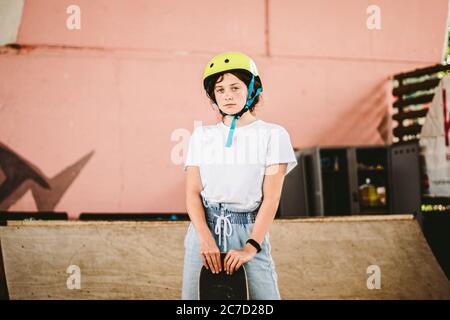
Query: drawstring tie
[{"x": 226, "y": 232}]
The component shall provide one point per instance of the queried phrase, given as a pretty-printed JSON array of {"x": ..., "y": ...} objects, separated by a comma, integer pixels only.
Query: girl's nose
[{"x": 228, "y": 96}]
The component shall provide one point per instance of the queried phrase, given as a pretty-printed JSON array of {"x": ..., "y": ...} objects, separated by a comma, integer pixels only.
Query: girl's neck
[{"x": 245, "y": 119}]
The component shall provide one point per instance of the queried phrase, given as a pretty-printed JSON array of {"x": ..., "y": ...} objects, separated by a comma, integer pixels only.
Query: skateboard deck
[{"x": 222, "y": 286}]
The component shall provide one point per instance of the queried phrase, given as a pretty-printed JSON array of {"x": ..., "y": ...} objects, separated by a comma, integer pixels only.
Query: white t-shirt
[{"x": 235, "y": 175}]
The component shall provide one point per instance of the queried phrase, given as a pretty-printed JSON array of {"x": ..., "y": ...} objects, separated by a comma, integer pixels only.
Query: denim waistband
[
  {"x": 222, "y": 217},
  {"x": 215, "y": 211},
  {"x": 234, "y": 217}
]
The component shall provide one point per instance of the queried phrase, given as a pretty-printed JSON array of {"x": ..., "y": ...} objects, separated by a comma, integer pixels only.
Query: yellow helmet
[{"x": 230, "y": 61}]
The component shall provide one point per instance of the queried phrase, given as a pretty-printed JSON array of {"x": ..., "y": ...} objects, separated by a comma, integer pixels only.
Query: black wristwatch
[{"x": 255, "y": 244}]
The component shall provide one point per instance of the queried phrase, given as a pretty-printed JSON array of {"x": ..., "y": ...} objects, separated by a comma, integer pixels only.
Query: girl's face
[{"x": 230, "y": 93}]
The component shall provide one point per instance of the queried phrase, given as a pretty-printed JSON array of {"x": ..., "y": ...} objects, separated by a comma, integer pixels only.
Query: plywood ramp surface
[{"x": 325, "y": 258}]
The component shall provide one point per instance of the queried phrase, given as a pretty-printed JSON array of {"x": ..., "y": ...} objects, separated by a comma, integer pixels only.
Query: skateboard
[{"x": 222, "y": 286}]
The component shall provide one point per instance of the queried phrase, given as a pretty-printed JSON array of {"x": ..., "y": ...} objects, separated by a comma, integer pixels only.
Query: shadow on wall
[
  {"x": 18, "y": 175},
  {"x": 375, "y": 104}
]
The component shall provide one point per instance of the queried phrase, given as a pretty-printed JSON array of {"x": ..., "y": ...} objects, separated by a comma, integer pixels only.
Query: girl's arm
[
  {"x": 272, "y": 186},
  {"x": 194, "y": 203},
  {"x": 209, "y": 251}
]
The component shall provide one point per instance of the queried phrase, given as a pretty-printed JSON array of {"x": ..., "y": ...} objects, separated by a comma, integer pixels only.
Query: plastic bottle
[{"x": 368, "y": 194}]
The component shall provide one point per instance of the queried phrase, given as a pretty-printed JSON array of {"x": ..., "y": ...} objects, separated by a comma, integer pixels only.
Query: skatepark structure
[{"x": 315, "y": 258}]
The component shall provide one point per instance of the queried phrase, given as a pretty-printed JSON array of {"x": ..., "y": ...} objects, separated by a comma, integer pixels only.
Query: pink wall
[{"x": 131, "y": 77}]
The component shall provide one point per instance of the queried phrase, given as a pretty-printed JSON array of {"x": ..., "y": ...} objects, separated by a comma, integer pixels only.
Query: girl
[{"x": 235, "y": 172}]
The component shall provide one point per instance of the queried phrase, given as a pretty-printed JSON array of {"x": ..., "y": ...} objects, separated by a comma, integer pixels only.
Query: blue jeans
[{"x": 231, "y": 228}]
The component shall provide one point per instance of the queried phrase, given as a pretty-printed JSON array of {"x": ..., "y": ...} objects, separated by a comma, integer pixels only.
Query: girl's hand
[
  {"x": 236, "y": 258},
  {"x": 210, "y": 253}
]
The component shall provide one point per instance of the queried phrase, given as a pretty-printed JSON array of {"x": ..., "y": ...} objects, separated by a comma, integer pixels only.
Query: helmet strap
[{"x": 240, "y": 113}]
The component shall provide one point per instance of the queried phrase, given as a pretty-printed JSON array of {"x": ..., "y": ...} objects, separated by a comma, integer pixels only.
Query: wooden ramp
[{"x": 317, "y": 258}]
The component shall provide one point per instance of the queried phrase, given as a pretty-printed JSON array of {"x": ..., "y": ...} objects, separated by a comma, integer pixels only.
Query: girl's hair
[{"x": 243, "y": 75}]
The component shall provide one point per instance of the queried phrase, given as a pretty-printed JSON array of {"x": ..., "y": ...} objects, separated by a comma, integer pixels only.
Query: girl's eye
[
  {"x": 219, "y": 91},
  {"x": 235, "y": 88}
]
